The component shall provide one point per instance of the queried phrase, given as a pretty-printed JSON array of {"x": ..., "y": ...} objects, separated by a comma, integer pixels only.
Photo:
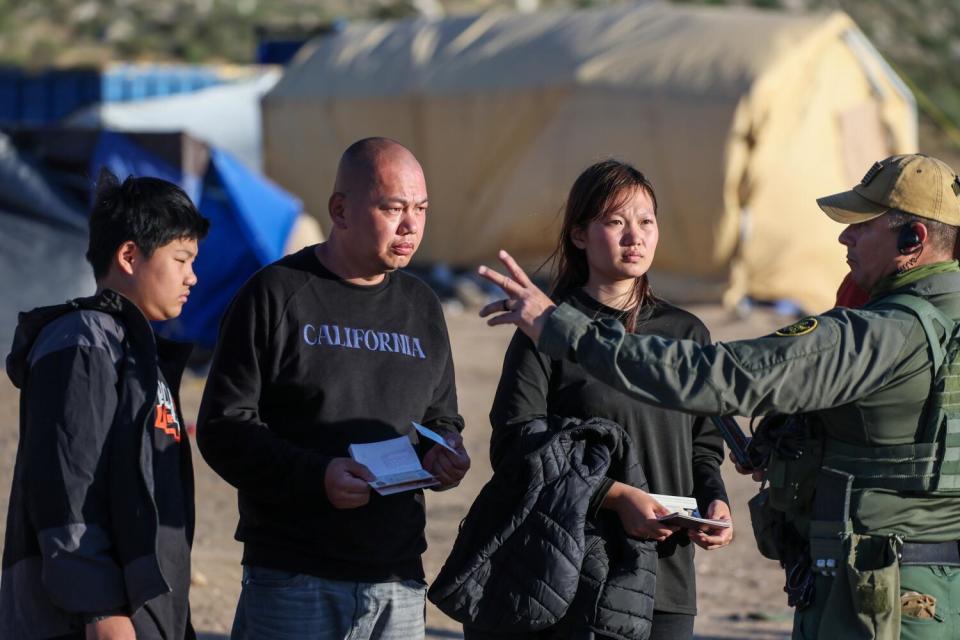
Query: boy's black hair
[{"x": 150, "y": 212}]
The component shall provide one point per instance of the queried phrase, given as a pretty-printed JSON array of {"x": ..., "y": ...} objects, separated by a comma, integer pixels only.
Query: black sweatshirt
[
  {"x": 307, "y": 364},
  {"x": 680, "y": 453}
]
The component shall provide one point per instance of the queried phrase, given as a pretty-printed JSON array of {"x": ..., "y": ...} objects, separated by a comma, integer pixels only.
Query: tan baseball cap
[{"x": 915, "y": 183}]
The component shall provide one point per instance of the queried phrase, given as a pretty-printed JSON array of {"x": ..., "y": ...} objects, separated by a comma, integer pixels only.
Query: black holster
[{"x": 777, "y": 539}]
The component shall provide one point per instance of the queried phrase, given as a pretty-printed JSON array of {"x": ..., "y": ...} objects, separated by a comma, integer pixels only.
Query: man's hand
[
  {"x": 714, "y": 537},
  {"x": 111, "y": 628},
  {"x": 346, "y": 483},
  {"x": 756, "y": 474},
  {"x": 525, "y": 305},
  {"x": 638, "y": 512},
  {"x": 448, "y": 468}
]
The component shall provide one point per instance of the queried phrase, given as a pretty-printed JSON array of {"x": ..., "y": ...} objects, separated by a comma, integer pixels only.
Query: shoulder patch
[{"x": 800, "y": 328}]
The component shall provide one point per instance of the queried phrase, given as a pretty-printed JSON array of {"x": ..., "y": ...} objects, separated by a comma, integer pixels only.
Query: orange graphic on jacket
[{"x": 166, "y": 419}]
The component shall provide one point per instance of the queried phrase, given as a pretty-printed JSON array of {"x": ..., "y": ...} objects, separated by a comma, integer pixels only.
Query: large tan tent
[{"x": 740, "y": 117}]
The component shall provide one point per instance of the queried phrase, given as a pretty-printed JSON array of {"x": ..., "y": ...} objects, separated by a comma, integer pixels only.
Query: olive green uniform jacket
[{"x": 864, "y": 374}]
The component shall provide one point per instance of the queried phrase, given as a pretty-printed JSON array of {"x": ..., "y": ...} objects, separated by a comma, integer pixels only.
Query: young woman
[{"x": 606, "y": 246}]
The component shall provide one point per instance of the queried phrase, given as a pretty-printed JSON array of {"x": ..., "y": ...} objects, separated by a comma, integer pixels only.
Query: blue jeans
[{"x": 281, "y": 605}]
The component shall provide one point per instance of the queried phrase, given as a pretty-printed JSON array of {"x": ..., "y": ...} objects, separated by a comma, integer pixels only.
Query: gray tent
[{"x": 42, "y": 245}]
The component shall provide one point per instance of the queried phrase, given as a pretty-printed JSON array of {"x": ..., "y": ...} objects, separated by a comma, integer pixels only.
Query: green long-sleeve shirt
[{"x": 865, "y": 373}]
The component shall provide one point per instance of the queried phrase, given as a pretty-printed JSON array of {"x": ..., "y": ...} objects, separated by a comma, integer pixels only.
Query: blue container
[
  {"x": 128, "y": 83},
  {"x": 34, "y": 100},
  {"x": 9, "y": 94},
  {"x": 278, "y": 51},
  {"x": 70, "y": 90},
  {"x": 49, "y": 96}
]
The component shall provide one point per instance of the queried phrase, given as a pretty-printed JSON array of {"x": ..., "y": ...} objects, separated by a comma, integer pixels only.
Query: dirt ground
[{"x": 739, "y": 591}]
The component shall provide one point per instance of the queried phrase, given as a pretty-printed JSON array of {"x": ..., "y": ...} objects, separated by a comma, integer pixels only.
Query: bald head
[
  {"x": 378, "y": 209},
  {"x": 363, "y": 163}
]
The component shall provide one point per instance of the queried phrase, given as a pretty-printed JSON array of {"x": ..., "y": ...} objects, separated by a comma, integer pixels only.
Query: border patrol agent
[{"x": 876, "y": 493}]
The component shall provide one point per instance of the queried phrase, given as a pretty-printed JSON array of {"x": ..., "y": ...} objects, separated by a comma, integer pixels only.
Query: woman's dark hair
[
  {"x": 150, "y": 212},
  {"x": 602, "y": 187}
]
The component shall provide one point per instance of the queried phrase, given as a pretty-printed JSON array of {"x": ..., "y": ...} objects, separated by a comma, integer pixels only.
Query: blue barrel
[
  {"x": 38, "y": 98},
  {"x": 10, "y": 95}
]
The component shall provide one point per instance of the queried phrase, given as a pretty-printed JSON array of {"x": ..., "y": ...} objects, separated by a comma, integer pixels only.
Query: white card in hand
[
  {"x": 395, "y": 465},
  {"x": 433, "y": 435}
]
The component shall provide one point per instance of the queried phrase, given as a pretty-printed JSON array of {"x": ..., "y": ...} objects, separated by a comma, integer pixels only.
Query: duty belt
[{"x": 936, "y": 553}]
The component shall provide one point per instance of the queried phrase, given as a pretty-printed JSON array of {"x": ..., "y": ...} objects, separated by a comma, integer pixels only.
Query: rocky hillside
[{"x": 921, "y": 38}]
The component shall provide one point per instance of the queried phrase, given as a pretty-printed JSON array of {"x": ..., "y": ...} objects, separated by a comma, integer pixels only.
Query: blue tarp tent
[{"x": 251, "y": 218}]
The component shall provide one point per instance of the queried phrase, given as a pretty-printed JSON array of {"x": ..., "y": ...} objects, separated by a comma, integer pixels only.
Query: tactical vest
[{"x": 930, "y": 465}]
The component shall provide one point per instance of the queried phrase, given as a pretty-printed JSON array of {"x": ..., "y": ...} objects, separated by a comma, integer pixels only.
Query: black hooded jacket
[
  {"x": 531, "y": 555},
  {"x": 83, "y": 532}
]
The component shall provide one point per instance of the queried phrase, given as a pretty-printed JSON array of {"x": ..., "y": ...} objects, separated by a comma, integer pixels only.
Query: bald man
[{"x": 329, "y": 347}]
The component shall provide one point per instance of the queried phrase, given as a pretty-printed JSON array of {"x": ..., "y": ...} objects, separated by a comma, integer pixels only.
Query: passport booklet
[
  {"x": 395, "y": 464},
  {"x": 684, "y": 513}
]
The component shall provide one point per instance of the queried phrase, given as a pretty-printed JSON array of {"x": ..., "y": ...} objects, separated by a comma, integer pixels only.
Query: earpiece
[{"x": 909, "y": 240}]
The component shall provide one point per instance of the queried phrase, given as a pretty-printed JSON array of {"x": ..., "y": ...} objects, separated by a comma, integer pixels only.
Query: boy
[{"x": 101, "y": 518}]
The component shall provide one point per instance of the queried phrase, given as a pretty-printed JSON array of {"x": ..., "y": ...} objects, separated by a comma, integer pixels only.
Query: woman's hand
[
  {"x": 525, "y": 305},
  {"x": 638, "y": 512},
  {"x": 711, "y": 538}
]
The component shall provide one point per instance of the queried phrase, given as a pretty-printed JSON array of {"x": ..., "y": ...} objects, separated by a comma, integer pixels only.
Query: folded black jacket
[{"x": 531, "y": 555}]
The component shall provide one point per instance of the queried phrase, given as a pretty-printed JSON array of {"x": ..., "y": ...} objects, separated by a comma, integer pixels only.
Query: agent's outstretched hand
[
  {"x": 525, "y": 305},
  {"x": 756, "y": 474}
]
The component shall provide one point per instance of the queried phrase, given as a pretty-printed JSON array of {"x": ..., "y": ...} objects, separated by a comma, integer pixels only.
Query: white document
[
  {"x": 685, "y": 513},
  {"x": 692, "y": 521},
  {"x": 395, "y": 465},
  {"x": 676, "y": 503},
  {"x": 433, "y": 435}
]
